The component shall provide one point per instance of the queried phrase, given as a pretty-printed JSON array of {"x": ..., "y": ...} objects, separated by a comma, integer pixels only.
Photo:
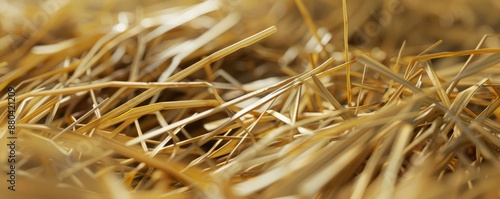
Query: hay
[{"x": 250, "y": 99}]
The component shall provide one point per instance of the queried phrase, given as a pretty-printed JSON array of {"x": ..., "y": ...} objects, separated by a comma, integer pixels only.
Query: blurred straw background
[{"x": 252, "y": 99}]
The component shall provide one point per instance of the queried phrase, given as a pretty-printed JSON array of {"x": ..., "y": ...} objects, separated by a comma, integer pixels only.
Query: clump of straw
[{"x": 251, "y": 99}]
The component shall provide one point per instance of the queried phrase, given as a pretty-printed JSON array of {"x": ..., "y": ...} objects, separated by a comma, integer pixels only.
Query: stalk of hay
[{"x": 250, "y": 99}]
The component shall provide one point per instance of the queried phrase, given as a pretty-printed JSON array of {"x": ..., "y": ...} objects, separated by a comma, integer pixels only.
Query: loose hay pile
[{"x": 250, "y": 99}]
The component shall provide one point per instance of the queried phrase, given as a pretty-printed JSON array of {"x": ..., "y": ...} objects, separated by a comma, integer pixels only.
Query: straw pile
[{"x": 250, "y": 99}]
